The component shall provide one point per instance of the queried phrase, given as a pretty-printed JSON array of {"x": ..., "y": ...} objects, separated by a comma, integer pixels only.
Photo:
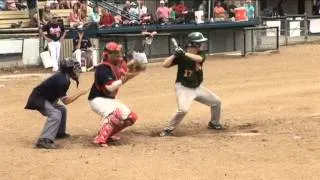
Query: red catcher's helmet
[{"x": 113, "y": 46}]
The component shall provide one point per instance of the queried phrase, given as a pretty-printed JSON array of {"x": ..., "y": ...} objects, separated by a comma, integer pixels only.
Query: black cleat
[
  {"x": 62, "y": 136},
  {"x": 215, "y": 126},
  {"x": 46, "y": 144},
  {"x": 166, "y": 132}
]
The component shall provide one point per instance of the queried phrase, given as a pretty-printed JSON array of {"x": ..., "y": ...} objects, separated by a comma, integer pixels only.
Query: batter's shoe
[
  {"x": 45, "y": 143},
  {"x": 166, "y": 132},
  {"x": 63, "y": 136},
  {"x": 215, "y": 126}
]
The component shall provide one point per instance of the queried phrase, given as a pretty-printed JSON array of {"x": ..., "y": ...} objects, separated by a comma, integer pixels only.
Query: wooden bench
[
  {"x": 7, "y": 18},
  {"x": 14, "y": 15},
  {"x": 64, "y": 14},
  {"x": 61, "y": 12}
]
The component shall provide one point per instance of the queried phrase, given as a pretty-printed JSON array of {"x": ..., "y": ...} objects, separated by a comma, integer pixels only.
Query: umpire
[{"x": 44, "y": 98}]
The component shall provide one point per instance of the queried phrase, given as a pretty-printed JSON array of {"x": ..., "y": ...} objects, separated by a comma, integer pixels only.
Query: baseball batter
[
  {"x": 188, "y": 83},
  {"x": 44, "y": 98},
  {"x": 110, "y": 75}
]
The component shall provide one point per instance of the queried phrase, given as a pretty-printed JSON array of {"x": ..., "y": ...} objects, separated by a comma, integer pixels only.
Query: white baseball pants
[
  {"x": 185, "y": 97},
  {"x": 54, "y": 49}
]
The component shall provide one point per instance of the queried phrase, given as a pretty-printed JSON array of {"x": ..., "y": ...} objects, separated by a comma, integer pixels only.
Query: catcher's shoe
[
  {"x": 166, "y": 132},
  {"x": 46, "y": 144},
  {"x": 215, "y": 126},
  {"x": 114, "y": 138}
]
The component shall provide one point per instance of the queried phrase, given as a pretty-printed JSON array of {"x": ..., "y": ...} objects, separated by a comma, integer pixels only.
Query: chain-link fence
[{"x": 295, "y": 28}]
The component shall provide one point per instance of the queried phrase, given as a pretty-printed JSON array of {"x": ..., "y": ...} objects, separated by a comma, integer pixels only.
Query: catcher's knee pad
[
  {"x": 132, "y": 117},
  {"x": 116, "y": 117}
]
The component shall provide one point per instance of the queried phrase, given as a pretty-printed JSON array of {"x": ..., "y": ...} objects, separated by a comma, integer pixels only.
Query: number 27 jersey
[{"x": 189, "y": 72}]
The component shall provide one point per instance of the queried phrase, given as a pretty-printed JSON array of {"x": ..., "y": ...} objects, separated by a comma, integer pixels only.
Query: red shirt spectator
[
  {"x": 107, "y": 20},
  {"x": 180, "y": 8}
]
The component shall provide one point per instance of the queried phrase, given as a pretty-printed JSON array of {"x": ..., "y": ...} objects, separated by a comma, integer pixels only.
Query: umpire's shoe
[
  {"x": 166, "y": 132},
  {"x": 46, "y": 144},
  {"x": 63, "y": 136},
  {"x": 215, "y": 126}
]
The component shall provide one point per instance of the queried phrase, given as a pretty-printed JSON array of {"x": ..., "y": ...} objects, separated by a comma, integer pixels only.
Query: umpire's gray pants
[
  {"x": 56, "y": 122},
  {"x": 185, "y": 96}
]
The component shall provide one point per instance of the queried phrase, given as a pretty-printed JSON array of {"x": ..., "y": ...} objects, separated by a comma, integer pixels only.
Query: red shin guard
[
  {"x": 104, "y": 133},
  {"x": 128, "y": 122}
]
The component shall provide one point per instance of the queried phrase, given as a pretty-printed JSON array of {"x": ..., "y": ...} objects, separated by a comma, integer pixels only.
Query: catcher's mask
[
  {"x": 113, "y": 52},
  {"x": 72, "y": 68}
]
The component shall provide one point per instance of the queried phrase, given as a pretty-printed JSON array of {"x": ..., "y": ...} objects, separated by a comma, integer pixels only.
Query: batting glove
[{"x": 179, "y": 52}]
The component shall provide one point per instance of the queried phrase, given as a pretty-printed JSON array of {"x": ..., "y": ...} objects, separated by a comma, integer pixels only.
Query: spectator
[
  {"x": 219, "y": 12},
  {"x": 127, "y": 6},
  {"x": 94, "y": 16},
  {"x": 33, "y": 16},
  {"x": 75, "y": 17},
  {"x": 53, "y": 4},
  {"x": 55, "y": 36},
  {"x": 11, "y": 5},
  {"x": 117, "y": 20},
  {"x": 134, "y": 13},
  {"x": 21, "y": 5},
  {"x": 316, "y": 8},
  {"x": 125, "y": 12},
  {"x": 143, "y": 8},
  {"x": 2, "y": 5},
  {"x": 83, "y": 10},
  {"x": 242, "y": 3},
  {"x": 231, "y": 8},
  {"x": 163, "y": 13},
  {"x": 72, "y": 2},
  {"x": 107, "y": 20},
  {"x": 172, "y": 13},
  {"x": 63, "y": 4},
  {"x": 181, "y": 12},
  {"x": 181, "y": 9},
  {"x": 203, "y": 6},
  {"x": 144, "y": 15},
  {"x": 280, "y": 8},
  {"x": 47, "y": 15},
  {"x": 82, "y": 50},
  {"x": 250, "y": 9}
]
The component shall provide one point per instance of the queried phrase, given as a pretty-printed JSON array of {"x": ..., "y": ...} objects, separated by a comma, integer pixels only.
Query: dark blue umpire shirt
[{"x": 51, "y": 90}]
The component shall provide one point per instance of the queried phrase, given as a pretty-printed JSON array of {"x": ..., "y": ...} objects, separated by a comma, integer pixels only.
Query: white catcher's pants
[
  {"x": 54, "y": 49},
  {"x": 185, "y": 96},
  {"x": 105, "y": 106}
]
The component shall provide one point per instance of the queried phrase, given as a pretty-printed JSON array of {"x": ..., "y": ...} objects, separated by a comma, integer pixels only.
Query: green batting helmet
[{"x": 196, "y": 37}]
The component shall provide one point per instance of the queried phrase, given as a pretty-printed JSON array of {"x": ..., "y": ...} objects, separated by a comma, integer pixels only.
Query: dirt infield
[{"x": 271, "y": 106}]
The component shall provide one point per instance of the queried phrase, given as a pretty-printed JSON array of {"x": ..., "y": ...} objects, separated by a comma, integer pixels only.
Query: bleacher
[
  {"x": 10, "y": 18},
  {"x": 17, "y": 22},
  {"x": 62, "y": 13}
]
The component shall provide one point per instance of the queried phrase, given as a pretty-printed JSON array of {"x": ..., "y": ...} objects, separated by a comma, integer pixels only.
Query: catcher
[
  {"x": 110, "y": 75},
  {"x": 45, "y": 96},
  {"x": 188, "y": 83}
]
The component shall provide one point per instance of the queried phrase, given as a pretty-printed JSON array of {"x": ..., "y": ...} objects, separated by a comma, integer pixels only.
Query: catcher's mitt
[{"x": 135, "y": 66}]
